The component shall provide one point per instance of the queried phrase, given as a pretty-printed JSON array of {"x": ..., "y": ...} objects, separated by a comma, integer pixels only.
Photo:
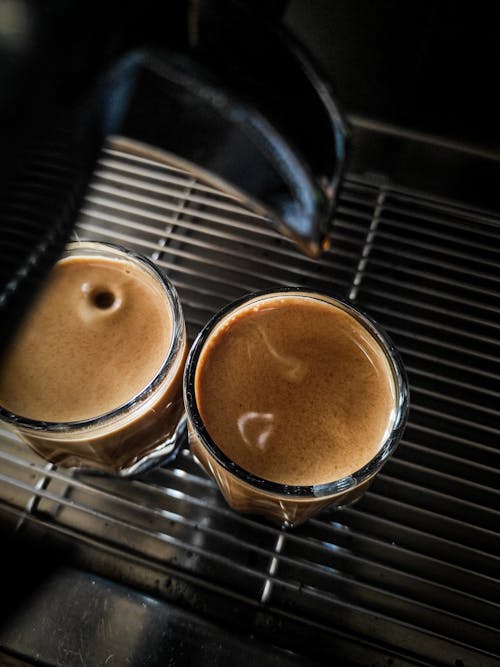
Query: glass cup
[
  {"x": 288, "y": 504},
  {"x": 138, "y": 434}
]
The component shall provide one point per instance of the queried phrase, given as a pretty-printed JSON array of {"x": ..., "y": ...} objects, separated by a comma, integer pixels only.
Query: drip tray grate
[{"x": 415, "y": 566}]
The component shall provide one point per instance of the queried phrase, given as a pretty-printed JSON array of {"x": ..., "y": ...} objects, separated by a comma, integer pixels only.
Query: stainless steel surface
[
  {"x": 411, "y": 574},
  {"x": 117, "y": 626}
]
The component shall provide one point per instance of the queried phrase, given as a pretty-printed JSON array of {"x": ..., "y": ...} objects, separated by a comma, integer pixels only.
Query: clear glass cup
[
  {"x": 287, "y": 504},
  {"x": 138, "y": 434}
]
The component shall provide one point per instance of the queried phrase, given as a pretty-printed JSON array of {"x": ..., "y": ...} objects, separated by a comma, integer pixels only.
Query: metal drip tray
[{"x": 411, "y": 574}]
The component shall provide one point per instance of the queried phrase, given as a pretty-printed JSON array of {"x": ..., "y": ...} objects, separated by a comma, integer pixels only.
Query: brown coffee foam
[
  {"x": 96, "y": 336},
  {"x": 295, "y": 391}
]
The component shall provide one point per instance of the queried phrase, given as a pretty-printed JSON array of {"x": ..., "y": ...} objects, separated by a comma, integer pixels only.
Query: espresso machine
[{"x": 348, "y": 147}]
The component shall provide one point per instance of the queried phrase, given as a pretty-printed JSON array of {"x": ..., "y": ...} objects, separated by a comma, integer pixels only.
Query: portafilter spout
[{"x": 237, "y": 142}]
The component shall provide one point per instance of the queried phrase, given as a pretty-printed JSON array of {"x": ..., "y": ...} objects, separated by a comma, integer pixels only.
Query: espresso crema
[
  {"x": 95, "y": 337},
  {"x": 295, "y": 391}
]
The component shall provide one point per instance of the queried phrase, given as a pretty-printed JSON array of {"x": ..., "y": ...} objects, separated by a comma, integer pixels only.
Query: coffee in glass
[
  {"x": 93, "y": 376},
  {"x": 294, "y": 400}
]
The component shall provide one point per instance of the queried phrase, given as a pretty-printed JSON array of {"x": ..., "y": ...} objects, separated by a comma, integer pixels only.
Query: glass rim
[
  {"x": 344, "y": 484},
  {"x": 70, "y": 249}
]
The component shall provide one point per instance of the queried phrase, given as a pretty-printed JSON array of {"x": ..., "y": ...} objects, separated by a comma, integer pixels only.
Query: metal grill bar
[
  {"x": 456, "y": 383},
  {"x": 148, "y": 245},
  {"x": 291, "y": 536},
  {"x": 216, "y": 264},
  {"x": 449, "y": 215},
  {"x": 450, "y": 459},
  {"x": 302, "y": 542},
  {"x": 480, "y": 499},
  {"x": 436, "y": 343},
  {"x": 451, "y": 436},
  {"x": 165, "y": 175},
  {"x": 467, "y": 556},
  {"x": 456, "y": 401},
  {"x": 201, "y": 243},
  {"x": 424, "y": 201},
  {"x": 447, "y": 498},
  {"x": 31, "y": 505},
  {"x": 403, "y": 218},
  {"x": 455, "y": 239},
  {"x": 401, "y": 554},
  {"x": 365, "y": 254},
  {"x": 440, "y": 261},
  {"x": 158, "y": 202},
  {"x": 454, "y": 418},
  {"x": 436, "y": 325},
  {"x": 158, "y": 169},
  {"x": 429, "y": 260},
  {"x": 436, "y": 293},
  {"x": 219, "y": 232},
  {"x": 108, "y": 177}
]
